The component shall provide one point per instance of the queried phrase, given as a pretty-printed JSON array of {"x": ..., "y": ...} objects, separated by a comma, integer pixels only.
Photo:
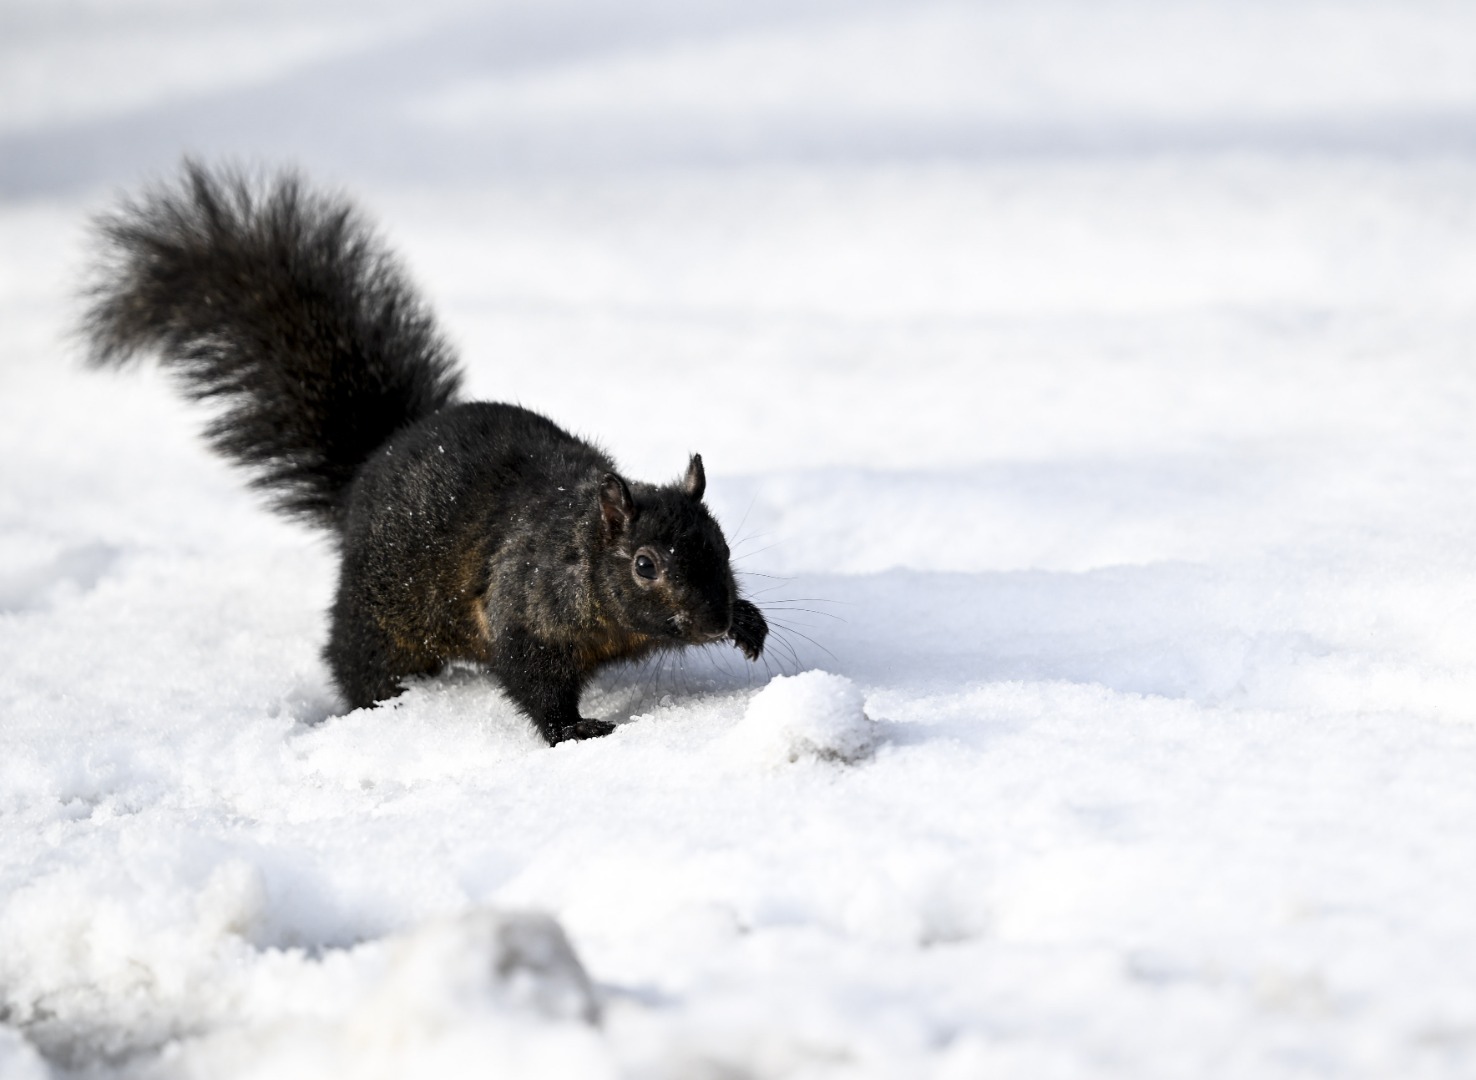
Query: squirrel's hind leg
[{"x": 365, "y": 661}]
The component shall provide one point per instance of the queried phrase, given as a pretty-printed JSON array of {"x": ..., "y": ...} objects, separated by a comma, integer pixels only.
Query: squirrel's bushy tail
[{"x": 281, "y": 304}]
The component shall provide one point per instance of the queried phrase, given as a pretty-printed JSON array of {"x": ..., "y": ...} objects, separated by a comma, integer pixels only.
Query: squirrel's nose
[{"x": 714, "y": 626}]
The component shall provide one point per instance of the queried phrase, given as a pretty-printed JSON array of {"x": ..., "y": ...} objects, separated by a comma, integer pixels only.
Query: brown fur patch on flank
[{"x": 605, "y": 644}]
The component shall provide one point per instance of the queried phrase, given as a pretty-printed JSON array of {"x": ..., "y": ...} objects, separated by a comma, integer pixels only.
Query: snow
[
  {"x": 810, "y": 715},
  {"x": 1086, "y": 389}
]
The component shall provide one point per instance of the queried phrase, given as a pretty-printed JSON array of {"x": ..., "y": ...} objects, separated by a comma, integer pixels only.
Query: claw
[{"x": 586, "y": 729}]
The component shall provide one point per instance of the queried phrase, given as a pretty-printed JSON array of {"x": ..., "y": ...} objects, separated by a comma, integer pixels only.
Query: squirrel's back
[
  {"x": 492, "y": 504},
  {"x": 282, "y": 304}
]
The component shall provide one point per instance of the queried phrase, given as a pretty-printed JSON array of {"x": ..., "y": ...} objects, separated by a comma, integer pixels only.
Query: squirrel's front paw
[
  {"x": 749, "y": 629},
  {"x": 586, "y": 729}
]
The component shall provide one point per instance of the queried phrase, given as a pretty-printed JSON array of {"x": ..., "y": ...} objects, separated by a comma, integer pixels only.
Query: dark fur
[{"x": 468, "y": 531}]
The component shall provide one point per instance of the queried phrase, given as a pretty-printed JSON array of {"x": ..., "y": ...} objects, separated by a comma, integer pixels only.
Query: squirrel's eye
[{"x": 646, "y": 566}]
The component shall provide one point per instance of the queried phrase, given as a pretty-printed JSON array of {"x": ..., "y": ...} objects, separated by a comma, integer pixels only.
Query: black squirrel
[{"x": 468, "y": 531}]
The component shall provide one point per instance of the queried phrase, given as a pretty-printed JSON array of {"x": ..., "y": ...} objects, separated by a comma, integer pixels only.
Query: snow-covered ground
[{"x": 1092, "y": 388}]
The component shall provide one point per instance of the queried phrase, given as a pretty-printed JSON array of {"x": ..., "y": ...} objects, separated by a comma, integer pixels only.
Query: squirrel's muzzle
[{"x": 710, "y": 626}]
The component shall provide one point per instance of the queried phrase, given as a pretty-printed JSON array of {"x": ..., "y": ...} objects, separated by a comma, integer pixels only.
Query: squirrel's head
[{"x": 664, "y": 560}]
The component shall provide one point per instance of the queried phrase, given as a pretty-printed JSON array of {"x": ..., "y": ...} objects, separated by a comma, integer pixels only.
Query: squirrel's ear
[
  {"x": 616, "y": 505},
  {"x": 696, "y": 482}
]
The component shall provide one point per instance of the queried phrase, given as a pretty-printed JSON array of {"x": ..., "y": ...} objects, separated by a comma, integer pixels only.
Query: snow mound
[
  {"x": 814, "y": 714},
  {"x": 518, "y": 960},
  {"x": 484, "y": 993}
]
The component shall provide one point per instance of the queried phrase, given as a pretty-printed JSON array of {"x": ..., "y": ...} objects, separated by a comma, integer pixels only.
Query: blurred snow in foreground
[{"x": 1088, "y": 390}]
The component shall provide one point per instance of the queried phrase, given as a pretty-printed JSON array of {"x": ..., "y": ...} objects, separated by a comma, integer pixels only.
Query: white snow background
[{"x": 1090, "y": 390}]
